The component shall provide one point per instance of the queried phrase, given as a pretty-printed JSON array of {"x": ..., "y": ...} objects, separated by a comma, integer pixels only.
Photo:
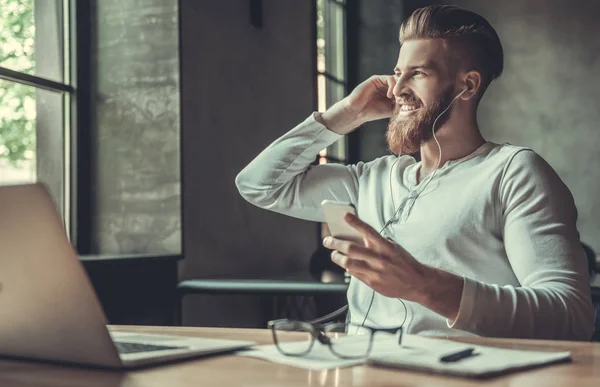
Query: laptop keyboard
[{"x": 125, "y": 348}]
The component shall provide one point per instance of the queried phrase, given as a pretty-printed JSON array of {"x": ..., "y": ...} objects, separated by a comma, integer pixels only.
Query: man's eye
[{"x": 417, "y": 73}]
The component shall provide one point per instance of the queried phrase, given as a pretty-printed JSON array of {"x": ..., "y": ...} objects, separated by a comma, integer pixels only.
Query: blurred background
[{"x": 138, "y": 114}]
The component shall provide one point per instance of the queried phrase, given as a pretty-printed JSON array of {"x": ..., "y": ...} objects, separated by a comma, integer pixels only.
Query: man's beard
[{"x": 406, "y": 134}]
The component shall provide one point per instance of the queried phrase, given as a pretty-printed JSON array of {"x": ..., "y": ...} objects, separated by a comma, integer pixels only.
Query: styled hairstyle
[{"x": 473, "y": 42}]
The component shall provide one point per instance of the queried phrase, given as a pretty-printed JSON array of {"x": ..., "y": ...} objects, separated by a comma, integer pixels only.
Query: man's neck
[{"x": 456, "y": 141}]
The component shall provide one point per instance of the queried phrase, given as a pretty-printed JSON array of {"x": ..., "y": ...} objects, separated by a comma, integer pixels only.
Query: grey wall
[
  {"x": 242, "y": 87},
  {"x": 547, "y": 97},
  {"x": 136, "y": 133}
]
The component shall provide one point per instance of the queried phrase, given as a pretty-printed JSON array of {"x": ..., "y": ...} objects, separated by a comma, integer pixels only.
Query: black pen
[{"x": 457, "y": 355}]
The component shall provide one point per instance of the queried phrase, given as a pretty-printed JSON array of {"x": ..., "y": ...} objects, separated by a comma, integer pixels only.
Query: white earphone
[{"x": 433, "y": 131}]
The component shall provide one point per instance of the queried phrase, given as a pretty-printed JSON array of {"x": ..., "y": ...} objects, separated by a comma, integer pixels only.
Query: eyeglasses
[{"x": 357, "y": 345}]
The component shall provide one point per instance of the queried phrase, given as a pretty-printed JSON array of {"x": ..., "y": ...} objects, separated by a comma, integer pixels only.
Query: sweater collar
[{"x": 483, "y": 149}]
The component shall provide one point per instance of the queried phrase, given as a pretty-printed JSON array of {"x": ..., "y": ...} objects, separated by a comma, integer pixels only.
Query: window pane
[
  {"x": 337, "y": 150},
  {"x": 335, "y": 32},
  {"x": 320, "y": 37},
  {"x": 329, "y": 92},
  {"x": 334, "y": 92},
  {"x": 31, "y": 37},
  {"x": 32, "y": 137},
  {"x": 137, "y": 127},
  {"x": 321, "y": 93}
]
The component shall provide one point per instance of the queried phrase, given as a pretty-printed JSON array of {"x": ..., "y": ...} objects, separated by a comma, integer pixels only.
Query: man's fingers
[
  {"x": 382, "y": 84},
  {"x": 370, "y": 234},
  {"x": 351, "y": 265},
  {"x": 355, "y": 251}
]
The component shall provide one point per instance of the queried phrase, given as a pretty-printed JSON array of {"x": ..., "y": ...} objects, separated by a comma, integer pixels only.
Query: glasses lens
[
  {"x": 349, "y": 340},
  {"x": 293, "y": 337}
]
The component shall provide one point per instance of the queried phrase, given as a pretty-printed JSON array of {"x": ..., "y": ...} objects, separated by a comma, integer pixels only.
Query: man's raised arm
[{"x": 282, "y": 178}]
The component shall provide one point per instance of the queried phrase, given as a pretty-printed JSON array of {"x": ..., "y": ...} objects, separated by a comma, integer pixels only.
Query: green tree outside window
[{"x": 17, "y": 101}]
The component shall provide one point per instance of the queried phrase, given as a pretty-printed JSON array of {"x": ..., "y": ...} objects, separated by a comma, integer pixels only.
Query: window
[
  {"x": 35, "y": 95},
  {"x": 117, "y": 181},
  {"x": 332, "y": 84}
]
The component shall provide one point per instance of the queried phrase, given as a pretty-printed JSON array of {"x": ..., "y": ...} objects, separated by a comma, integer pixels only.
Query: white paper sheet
[
  {"x": 486, "y": 362},
  {"x": 416, "y": 352},
  {"x": 321, "y": 357}
]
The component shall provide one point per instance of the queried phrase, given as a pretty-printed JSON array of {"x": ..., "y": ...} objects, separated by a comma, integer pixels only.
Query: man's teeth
[{"x": 407, "y": 108}]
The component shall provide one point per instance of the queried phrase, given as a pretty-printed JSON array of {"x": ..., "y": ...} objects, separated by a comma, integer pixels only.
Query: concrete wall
[
  {"x": 546, "y": 98},
  {"x": 242, "y": 87},
  {"x": 137, "y": 128}
]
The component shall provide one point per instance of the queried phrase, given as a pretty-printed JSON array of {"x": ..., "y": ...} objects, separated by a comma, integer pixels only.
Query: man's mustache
[{"x": 407, "y": 100}]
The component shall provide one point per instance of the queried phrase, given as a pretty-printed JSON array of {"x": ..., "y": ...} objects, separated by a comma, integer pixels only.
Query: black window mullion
[
  {"x": 34, "y": 81},
  {"x": 332, "y": 78},
  {"x": 82, "y": 156},
  {"x": 327, "y": 73}
]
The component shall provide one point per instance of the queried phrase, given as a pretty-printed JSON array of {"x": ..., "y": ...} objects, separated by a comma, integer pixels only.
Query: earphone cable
[
  {"x": 393, "y": 219},
  {"x": 401, "y": 206}
]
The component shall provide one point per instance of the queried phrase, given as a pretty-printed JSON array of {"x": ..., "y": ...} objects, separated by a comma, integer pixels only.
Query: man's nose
[{"x": 400, "y": 87}]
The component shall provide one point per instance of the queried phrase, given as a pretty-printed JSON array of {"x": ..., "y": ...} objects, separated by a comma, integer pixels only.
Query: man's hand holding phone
[
  {"x": 390, "y": 270},
  {"x": 334, "y": 217}
]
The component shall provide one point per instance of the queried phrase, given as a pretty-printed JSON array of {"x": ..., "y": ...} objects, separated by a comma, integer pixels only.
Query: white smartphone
[{"x": 334, "y": 216}]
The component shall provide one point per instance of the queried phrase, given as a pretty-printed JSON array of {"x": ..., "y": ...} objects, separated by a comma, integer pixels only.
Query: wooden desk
[{"x": 231, "y": 370}]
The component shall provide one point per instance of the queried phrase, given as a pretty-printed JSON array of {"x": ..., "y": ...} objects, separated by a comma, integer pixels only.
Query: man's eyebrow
[{"x": 425, "y": 66}]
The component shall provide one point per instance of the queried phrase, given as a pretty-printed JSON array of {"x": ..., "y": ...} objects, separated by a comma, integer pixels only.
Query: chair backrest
[
  {"x": 590, "y": 255},
  {"x": 592, "y": 269}
]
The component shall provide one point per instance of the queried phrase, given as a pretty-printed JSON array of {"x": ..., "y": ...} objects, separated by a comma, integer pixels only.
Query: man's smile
[{"x": 407, "y": 109}]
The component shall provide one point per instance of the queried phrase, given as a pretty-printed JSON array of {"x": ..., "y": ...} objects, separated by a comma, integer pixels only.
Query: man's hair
[{"x": 472, "y": 40}]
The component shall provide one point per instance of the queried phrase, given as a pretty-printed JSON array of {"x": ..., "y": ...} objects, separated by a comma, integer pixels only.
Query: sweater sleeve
[
  {"x": 282, "y": 178},
  {"x": 542, "y": 244}
]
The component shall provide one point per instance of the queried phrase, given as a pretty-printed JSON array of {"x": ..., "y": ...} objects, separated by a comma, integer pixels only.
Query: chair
[
  {"x": 590, "y": 255},
  {"x": 592, "y": 269}
]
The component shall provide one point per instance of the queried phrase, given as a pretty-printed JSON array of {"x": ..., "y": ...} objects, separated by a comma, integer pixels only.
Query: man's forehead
[{"x": 417, "y": 52}]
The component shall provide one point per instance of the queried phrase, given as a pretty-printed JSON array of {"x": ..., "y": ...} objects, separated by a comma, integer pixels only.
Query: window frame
[
  {"x": 349, "y": 141},
  {"x": 77, "y": 90},
  {"x": 67, "y": 89},
  {"x": 325, "y": 155}
]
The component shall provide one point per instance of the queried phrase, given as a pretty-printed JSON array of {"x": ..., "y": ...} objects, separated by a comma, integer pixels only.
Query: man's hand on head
[
  {"x": 390, "y": 270},
  {"x": 371, "y": 100}
]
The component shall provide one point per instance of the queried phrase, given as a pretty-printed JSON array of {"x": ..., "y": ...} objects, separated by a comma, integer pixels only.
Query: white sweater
[{"x": 501, "y": 218}]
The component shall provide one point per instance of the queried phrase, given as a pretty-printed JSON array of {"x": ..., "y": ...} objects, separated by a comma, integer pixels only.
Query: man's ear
[{"x": 472, "y": 81}]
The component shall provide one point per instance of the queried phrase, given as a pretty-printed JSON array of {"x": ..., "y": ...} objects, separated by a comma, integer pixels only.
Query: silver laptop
[{"x": 48, "y": 308}]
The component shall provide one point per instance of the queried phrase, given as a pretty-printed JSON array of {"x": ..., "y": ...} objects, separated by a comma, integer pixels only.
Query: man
[{"x": 476, "y": 238}]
